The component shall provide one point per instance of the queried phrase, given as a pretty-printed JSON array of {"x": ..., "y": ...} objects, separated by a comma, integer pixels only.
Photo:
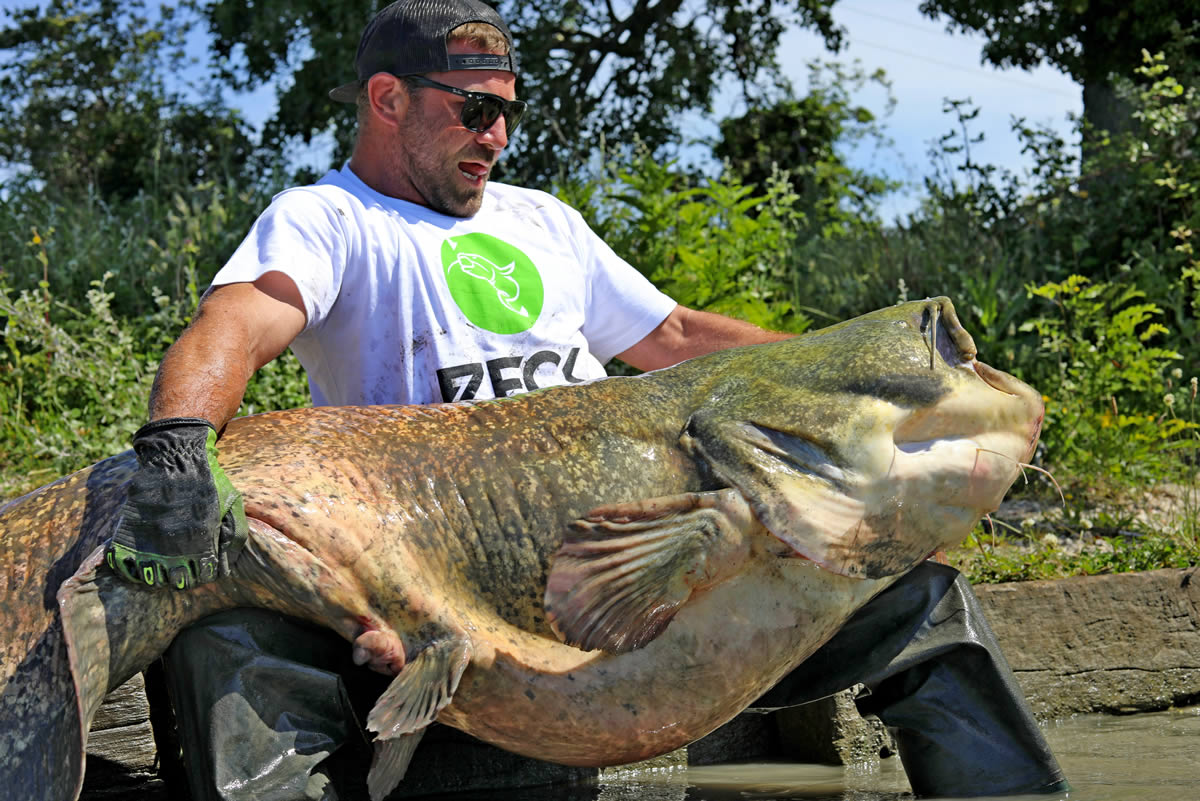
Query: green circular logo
[{"x": 494, "y": 284}]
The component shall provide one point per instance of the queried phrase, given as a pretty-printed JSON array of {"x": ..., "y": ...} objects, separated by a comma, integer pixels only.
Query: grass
[{"x": 1036, "y": 536}]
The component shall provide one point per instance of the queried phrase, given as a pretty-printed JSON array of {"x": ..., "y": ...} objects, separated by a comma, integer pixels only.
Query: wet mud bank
[{"x": 1112, "y": 644}]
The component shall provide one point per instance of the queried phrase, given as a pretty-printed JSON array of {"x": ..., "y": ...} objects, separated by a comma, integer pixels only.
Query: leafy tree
[
  {"x": 1088, "y": 39},
  {"x": 83, "y": 101},
  {"x": 805, "y": 140},
  {"x": 593, "y": 70}
]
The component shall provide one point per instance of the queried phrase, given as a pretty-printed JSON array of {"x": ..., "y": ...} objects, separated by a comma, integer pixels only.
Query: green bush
[
  {"x": 709, "y": 244},
  {"x": 81, "y": 343},
  {"x": 75, "y": 381},
  {"x": 1109, "y": 411}
]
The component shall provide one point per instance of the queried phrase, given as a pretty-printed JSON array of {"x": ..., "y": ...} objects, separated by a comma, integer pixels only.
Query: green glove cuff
[
  {"x": 183, "y": 523},
  {"x": 229, "y": 500}
]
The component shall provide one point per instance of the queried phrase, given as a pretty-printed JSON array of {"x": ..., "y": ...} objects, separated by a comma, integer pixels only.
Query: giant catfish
[{"x": 591, "y": 574}]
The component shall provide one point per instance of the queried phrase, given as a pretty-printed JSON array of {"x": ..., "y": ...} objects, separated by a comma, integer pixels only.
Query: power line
[
  {"x": 948, "y": 65},
  {"x": 973, "y": 72},
  {"x": 904, "y": 23}
]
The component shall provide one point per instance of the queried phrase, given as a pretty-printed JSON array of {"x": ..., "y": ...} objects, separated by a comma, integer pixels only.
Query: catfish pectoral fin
[
  {"x": 114, "y": 628},
  {"x": 86, "y": 633},
  {"x": 422, "y": 688},
  {"x": 389, "y": 763},
  {"x": 624, "y": 571}
]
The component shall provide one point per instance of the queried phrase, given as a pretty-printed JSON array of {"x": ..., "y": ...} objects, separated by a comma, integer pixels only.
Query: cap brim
[{"x": 346, "y": 93}]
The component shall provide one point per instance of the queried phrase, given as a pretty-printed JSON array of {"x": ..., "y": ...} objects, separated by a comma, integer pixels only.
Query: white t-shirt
[{"x": 406, "y": 305}]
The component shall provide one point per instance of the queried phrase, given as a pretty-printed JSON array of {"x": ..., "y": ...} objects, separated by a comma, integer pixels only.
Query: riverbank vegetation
[{"x": 1082, "y": 278}]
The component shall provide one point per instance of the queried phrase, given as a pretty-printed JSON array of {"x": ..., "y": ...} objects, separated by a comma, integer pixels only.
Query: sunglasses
[{"x": 480, "y": 109}]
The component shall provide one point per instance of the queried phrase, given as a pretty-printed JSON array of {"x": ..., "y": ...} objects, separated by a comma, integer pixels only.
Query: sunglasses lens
[
  {"x": 479, "y": 113},
  {"x": 512, "y": 117}
]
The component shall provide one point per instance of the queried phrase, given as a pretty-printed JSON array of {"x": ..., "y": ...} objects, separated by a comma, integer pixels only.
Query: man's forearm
[
  {"x": 687, "y": 333},
  {"x": 204, "y": 374},
  {"x": 238, "y": 328},
  {"x": 705, "y": 332}
]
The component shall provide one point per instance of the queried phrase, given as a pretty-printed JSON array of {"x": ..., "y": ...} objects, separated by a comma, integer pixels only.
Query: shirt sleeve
[
  {"x": 622, "y": 306},
  {"x": 301, "y": 235}
]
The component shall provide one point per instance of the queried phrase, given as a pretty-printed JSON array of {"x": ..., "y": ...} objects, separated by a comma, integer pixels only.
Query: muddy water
[{"x": 1149, "y": 757}]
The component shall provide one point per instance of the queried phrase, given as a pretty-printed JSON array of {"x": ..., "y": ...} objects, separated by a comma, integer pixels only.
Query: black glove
[{"x": 183, "y": 522}]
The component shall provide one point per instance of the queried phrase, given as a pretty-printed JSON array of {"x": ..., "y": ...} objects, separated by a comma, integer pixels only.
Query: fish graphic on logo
[
  {"x": 494, "y": 284},
  {"x": 507, "y": 289}
]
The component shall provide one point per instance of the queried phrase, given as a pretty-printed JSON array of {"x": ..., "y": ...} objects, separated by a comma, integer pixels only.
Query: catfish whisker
[
  {"x": 1024, "y": 465},
  {"x": 1000, "y": 523},
  {"x": 992, "y": 523},
  {"x": 979, "y": 540}
]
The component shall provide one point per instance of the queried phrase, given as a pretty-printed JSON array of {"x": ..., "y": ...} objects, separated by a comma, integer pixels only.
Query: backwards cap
[{"x": 409, "y": 38}]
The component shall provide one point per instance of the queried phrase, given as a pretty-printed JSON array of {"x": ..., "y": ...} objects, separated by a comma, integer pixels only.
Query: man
[{"x": 406, "y": 277}]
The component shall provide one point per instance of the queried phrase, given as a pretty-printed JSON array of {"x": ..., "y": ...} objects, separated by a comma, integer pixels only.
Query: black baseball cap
[{"x": 409, "y": 38}]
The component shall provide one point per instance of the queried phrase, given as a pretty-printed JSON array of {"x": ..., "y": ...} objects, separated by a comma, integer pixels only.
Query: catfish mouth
[
  {"x": 1014, "y": 388},
  {"x": 1018, "y": 412},
  {"x": 904, "y": 442},
  {"x": 947, "y": 338}
]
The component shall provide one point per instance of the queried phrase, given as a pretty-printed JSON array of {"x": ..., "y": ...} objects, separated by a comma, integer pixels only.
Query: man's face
[{"x": 445, "y": 165}]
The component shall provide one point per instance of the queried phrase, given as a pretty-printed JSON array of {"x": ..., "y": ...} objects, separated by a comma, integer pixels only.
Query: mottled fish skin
[{"x": 420, "y": 530}]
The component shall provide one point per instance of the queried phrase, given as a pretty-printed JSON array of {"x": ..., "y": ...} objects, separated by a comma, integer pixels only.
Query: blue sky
[{"x": 925, "y": 65}]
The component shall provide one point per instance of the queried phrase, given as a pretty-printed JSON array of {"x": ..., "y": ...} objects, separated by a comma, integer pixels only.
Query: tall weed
[
  {"x": 714, "y": 244},
  {"x": 1108, "y": 411},
  {"x": 147, "y": 243},
  {"x": 79, "y": 344}
]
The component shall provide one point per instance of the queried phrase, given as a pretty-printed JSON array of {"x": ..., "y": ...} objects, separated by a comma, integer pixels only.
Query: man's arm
[
  {"x": 183, "y": 522},
  {"x": 237, "y": 329},
  {"x": 686, "y": 333}
]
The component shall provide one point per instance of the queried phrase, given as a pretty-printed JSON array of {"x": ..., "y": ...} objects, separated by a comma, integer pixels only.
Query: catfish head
[{"x": 868, "y": 445}]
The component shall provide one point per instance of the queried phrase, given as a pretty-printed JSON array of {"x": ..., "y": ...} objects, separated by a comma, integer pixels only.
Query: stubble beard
[{"x": 435, "y": 179}]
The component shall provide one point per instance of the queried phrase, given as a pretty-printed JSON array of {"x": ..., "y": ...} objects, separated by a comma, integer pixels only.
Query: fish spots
[
  {"x": 530, "y": 694},
  {"x": 878, "y": 552}
]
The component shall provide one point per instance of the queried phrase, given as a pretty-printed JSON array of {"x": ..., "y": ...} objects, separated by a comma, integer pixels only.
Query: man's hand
[{"x": 183, "y": 522}]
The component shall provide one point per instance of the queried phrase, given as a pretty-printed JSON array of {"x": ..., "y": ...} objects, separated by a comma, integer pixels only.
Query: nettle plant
[
  {"x": 714, "y": 244},
  {"x": 1111, "y": 412}
]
